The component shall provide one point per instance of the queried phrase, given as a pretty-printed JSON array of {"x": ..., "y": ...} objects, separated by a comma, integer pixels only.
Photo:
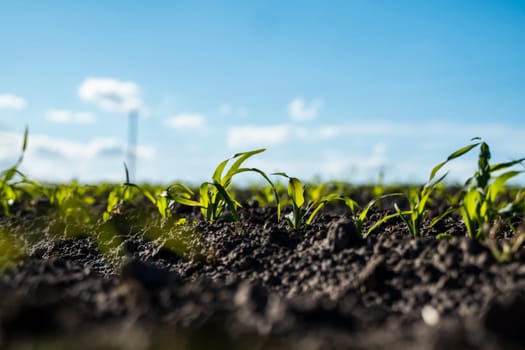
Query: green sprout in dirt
[
  {"x": 13, "y": 183},
  {"x": 216, "y": 201},
  {"x": 304, "y": 212},
  {"x": 482, "y": 204},
  {"x": 127, "y": 192},
  {"x": 419, "y": 199}
]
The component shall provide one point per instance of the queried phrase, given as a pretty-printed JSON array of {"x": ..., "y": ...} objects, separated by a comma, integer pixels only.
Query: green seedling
[
  {"x": 72, "y": 202},
  {"x": 419, "y": 199},
  {"x": 295, "y": 218},
  {"x": 13, "y": 183},
  {"x": 125, "y": 193},
  {"x": 303, "y": 213},
  {"x": 216, "y": 201},
  {"x": 481, "y": 204}
]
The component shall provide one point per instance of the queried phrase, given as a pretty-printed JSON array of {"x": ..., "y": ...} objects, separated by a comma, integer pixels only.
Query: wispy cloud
[
  {"x": 111, "y": 94},
  {"x": 427, "y": 132},
  {"x": 247, "y": 136},
  {"x": 251, "y": 135},
  {"x": 66, "y": 116},
  {"x": 12, "y": 101},
  {"x": 301, "y": 110},
  {"x": 58, "y": 159},
  {"x": 337, "y": 164},
  {"x": 186, "y": 121},
  {"x": 330, "y": 164}
]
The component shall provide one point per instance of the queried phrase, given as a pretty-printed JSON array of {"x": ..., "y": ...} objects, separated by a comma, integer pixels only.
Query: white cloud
[
  {"x": 56, "y": 159},
  {"x": 301, "y": 110},
  {"x": 44, "y": 145},
  {"x": 67, "y": 116},
  {"x": 248, "y": 136},
  {"x": 425, "y": 132},
  {"x": 245, "y": 136},
  {"x": 111, "y": 94},
  {"x": 186, "y": 121},
  {"x": 12, "y": 101},
  {"x": 365, "y": 168},
  {"x": 328, "y": 164}
]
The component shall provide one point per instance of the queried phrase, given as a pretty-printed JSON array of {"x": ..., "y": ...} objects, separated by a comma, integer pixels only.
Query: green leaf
[
  {"x": 317, "y": 208},
  {"x": 498, "y": 185},
  {"x": 149, "y": 196},
  {"x": 505, "y": 165},
  {"x": 204, "y": 195},
  {"x": 442, "y": 216},
  {"x": 295, "y": 191},
  {"x": 364, "y": 213},
  {"x": 321, "y": 203},
  {"x": 441, "y": 236},
  {"x": 281, "y": 174},
  {"x": 410, "y": 224},
  {"x": 236, "y": 165},
  {"x": 228, "y": 199},
  {"x": 177, "y": 190},
  {"x": 127, "y": 174},
  {"x": 162, "y": 205},
  {"x": 188, "y": 202},
  {"x": 217, "y": 174},
  {"x": 26, "y": 134},
  {"x": 452, "y": 156},
  {"x": 24, "y": 148},
  {"x": 380, "y": 222}
]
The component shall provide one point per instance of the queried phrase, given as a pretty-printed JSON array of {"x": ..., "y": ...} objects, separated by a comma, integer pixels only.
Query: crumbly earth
[{"x": 139, "y": 283}]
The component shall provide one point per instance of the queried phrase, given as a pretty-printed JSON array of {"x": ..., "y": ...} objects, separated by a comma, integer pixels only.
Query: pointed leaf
[
  {"x": 217, "y": 174},
  {"x": 498, "y": 185},
  {"x": 295, "y": 191},
  {"x": 127, "y": 173},
  {"x": 236, "y": 165},
  {"x": 452, "y": 156},
  {"x": 228, "y": 199},
  {"x": 500, "y": 166},
  {"x": 380, "y": 222}
]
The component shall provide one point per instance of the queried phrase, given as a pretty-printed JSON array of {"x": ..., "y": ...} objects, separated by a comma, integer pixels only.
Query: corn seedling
[
  {"x": 303, "y": 213},
  {"x": 481, "y": 205},
  {"x": 419, "y": 199},
  {"x": 12, "y": 180},
  {"x": 72, "y": 202},
  {"x": 216, "y": 201},
  {"x": 125, "y": 193}
]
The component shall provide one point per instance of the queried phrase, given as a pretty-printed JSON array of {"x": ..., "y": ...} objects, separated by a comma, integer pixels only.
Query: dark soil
[{"x": 255, "y": 285}]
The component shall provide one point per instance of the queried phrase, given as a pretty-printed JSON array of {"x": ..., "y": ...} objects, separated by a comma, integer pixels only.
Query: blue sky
[{"x": 335, "y": 89}]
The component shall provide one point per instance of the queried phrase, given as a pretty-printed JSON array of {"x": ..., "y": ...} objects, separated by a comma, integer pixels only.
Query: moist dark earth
[{"x": 137, "y": 282}]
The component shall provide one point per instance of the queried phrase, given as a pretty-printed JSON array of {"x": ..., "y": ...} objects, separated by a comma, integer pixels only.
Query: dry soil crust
[{"x": 260, "y": 285}]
